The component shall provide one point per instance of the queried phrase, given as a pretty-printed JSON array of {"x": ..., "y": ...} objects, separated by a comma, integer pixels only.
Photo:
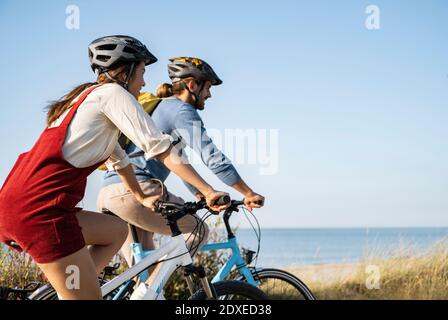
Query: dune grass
[
  {"x": 17, "y": 269},
  {"x": 405, "y": 274}
]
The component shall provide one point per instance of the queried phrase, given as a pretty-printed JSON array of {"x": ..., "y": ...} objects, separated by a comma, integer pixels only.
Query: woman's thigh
[
  {"x": 121, "y": 202},
  {"x": 101, "y": 229}
]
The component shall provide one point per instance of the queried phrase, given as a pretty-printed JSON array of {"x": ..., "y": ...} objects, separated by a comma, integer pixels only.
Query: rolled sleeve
[
  {"x": 160, "y": 147},
  {"x": 118, "y": 159}
]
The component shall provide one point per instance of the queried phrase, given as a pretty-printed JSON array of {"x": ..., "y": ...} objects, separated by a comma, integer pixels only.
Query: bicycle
[
  {"x": 175, "y": 255},
  {"x": 291, "y": 287}
]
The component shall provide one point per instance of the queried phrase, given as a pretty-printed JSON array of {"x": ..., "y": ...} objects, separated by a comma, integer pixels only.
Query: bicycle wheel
[
  {"x": 280, "y": 285},
  {"x": 232, "y": 290},
  {"x": 46, "y": 292}
]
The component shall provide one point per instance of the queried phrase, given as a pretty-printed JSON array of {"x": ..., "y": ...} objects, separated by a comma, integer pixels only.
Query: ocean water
[{"x": 295, "y": 247}]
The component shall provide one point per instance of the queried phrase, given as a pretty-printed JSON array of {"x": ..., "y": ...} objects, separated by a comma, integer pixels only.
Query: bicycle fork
[{"x": 200, "y": 272}]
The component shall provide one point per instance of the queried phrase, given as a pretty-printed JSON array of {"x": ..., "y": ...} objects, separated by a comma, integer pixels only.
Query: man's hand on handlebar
[{"x": 253, "y": 200}]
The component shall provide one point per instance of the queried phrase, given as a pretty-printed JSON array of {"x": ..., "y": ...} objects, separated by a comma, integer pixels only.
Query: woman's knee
[
  {"x": 201, "y": 235},
  {"x": 204, "y": 234},
  {"x": 121, "y": 230}
]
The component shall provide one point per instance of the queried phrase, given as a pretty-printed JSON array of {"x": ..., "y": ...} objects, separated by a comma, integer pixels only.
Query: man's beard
[{"x": 201, "y": 104}]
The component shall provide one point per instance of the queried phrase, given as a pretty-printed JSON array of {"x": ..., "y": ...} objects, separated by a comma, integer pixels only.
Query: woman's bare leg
[
  {"x": 74, "y": 277},
  {"x": 104, "y": 234}
]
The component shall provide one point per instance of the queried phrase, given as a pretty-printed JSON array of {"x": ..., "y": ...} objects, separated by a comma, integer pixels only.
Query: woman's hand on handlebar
[
  {"x": 148, "y": 200},
  {"x": 212, "y": 197}
]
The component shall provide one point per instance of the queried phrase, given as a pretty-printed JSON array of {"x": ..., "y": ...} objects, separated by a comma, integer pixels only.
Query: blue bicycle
[{"x": 276, "y": 283}]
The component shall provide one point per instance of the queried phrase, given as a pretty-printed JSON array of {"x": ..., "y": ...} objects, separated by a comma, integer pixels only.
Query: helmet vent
[
  {"x": 111, "y": 51},
  {"x": 129, "y": 50},
  {"x": 103, "y": 58},
  {"x": 107, "y": 47}
]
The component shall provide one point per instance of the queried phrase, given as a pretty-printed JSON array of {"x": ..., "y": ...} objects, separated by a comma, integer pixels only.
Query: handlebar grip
[
  {"x": 222, "y": 200},
  {"x": 259, "y": 202}
]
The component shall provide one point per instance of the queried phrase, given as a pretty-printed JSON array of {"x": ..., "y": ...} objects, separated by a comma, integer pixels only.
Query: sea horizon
[{"x": 290, "y": 247}]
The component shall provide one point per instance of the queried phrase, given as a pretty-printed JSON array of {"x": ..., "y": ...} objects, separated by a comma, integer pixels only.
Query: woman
[
  {"x": 38, "y": 212},
  {"x": 178, "y": 116}
]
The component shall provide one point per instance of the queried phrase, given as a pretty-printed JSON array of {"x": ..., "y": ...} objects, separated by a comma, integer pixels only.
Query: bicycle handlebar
[
  {"x": 176, "y": 210},
  {"x": 236, "y": 203}
]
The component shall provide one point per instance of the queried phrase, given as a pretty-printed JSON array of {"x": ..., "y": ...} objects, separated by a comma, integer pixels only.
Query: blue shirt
[{"x": 180, "y": 120}]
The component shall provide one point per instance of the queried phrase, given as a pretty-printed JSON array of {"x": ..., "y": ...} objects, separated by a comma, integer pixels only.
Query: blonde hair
[{"x": 166, "y": 90}]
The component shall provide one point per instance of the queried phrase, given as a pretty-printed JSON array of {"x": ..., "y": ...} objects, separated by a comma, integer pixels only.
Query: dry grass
[
  {"x": 17, "y": 269},
  {"x": 405, "y": 274}
]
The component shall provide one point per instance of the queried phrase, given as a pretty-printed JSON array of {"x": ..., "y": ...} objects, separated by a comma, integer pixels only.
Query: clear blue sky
[{"x": 362, "y": 114}]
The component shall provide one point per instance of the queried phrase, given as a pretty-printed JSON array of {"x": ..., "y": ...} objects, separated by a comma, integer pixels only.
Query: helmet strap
[
  {"x": 125, "y": 84},
  {"x": 129, "y": 75},
  {"x": 195, "y": 96}
]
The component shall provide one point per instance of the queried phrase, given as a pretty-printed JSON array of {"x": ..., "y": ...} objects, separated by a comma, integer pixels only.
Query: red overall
[{"x": 39, "y": 197}]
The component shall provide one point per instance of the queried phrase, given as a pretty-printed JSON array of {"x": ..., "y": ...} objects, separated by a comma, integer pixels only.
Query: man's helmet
[{"x": 185, "y": 67}]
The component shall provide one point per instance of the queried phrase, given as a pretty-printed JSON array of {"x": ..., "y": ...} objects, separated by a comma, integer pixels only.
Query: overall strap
[{"x": 71, "y": 114}]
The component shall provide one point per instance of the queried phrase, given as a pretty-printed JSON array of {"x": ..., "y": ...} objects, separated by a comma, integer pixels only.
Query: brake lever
[{"x": 165, "y": 205}]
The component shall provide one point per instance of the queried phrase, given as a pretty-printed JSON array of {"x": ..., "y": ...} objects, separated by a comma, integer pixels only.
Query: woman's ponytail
[
  {"x": 165, "y": 90},
  {"x": 58, "y": 107}
]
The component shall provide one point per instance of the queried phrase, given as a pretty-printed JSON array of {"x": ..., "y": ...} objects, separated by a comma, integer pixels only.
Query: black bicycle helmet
[
  {"x": 108, "y": 52},
  {"x": 185, "y": 67}
]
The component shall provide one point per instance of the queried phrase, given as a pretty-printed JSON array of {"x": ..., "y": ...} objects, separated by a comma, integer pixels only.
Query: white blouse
[{"x": 92, "y": 135}]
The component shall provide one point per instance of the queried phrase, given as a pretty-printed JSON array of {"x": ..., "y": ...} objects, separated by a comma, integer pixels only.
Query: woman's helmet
[
  {"x": 185, "y": 67},
  {"x": 108, "y": 52}
]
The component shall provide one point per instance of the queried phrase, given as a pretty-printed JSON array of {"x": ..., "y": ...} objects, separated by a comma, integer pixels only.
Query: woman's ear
[{"x": 122, "y": 76}]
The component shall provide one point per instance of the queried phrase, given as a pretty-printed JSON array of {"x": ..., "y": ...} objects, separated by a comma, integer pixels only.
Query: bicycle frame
[
  {"x": 144, "y": 258},
  {"x": 235, "y": 260},
  {"x": 176, "y": 254}
]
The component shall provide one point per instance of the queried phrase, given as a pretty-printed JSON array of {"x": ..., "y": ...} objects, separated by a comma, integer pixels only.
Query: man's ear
[{"x": 192, "y": 85}]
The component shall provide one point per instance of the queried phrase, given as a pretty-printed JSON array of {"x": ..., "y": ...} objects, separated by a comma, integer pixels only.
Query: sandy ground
[{"x": 324, "y": 272}]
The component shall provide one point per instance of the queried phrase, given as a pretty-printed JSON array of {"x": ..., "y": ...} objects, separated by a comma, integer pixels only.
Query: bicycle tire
[
  {"x": 232, "y": 290},
  {"x": 299, "y": 290},
  {"x": 46, "y": 292}
]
